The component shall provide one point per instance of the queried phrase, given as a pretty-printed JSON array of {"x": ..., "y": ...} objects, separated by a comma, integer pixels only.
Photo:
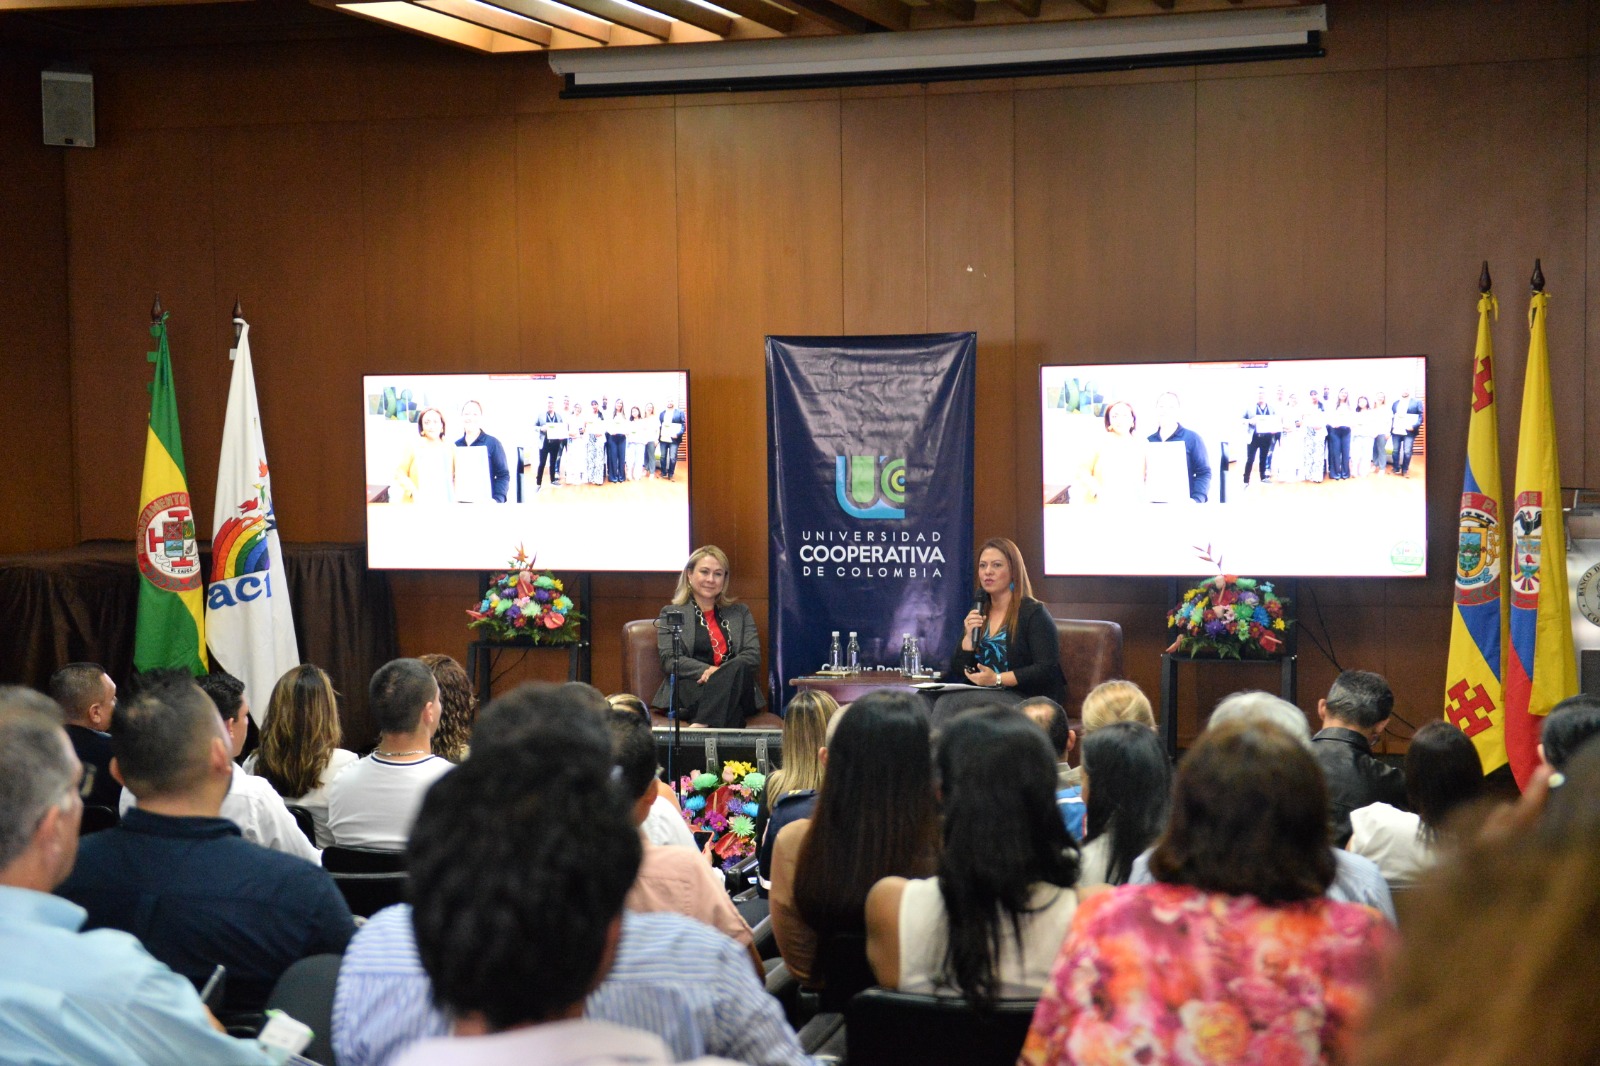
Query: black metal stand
[
  {"x": 481, "y": 655},
  {"x": 1287, "y": 683},
  {"x": 672, "y": 707}
]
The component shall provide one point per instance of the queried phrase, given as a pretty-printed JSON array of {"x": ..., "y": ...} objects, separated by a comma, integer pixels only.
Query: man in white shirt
[
  {"x": 251, "y": 804},
  {"x": 372, "y": 803}
]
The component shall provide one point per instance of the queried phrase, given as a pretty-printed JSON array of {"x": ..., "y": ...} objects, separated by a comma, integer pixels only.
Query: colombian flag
[
  {"x": 1474, "y": 699},
  {"x": 171, "y": 625},
  {"x": 1541, "y": 669}
]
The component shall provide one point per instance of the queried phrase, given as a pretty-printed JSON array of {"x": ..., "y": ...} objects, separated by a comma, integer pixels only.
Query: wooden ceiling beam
[
  {"x": 1030, "y": 8},
  {"x": 883, "y": 14},
  {"x": 686, "y": 11},
  {"x": 831, "y": 15},
  {"x": 558, "y": 16},
  {"x": 644, "y": 21},
  {"x": 1096, "y": 6},
  {"x": 761, "y": 13},
  {"x": 957, "y": 9}
]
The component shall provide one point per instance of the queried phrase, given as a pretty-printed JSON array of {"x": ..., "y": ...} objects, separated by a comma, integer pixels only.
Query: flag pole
[
  {"x": 238, "y": 321},
  {"x": 1484, "y": 284},
  {"x": 155, "y": 310}
]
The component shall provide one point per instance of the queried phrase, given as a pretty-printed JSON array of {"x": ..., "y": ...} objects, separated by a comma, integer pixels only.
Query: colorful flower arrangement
[
  {"x": 520, "y": 604},
  {"x": 1230, "y": 617},
  {"x": 725, "y": 805}
]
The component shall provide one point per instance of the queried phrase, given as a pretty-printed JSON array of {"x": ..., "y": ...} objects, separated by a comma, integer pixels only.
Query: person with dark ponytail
[
  {"x": 1128, "y": 782},
  {"x": 990, "y": 924}
]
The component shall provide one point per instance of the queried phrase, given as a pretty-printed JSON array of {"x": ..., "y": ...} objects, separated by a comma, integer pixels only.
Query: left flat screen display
[{"x": 583, "y": 470}]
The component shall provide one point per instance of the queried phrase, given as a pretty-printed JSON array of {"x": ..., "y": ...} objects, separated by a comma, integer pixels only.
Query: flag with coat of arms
[
  {"x": 248, "y": 620},
  {"x": 1541, "y": 666},
  {"x": 1474, "y": 694},
  {"x": 169, "y": 630}
]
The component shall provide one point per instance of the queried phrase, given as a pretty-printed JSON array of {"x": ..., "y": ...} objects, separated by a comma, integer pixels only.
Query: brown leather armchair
[
  {"x": 641, "y": 671},
  {"x": 1091, "y": 652}
]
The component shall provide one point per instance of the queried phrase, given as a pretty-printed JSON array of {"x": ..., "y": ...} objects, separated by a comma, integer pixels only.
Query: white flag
[{"x": 248, "y": 622}]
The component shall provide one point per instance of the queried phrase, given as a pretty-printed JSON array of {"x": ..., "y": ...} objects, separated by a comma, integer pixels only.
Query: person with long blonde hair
[
  {"x": 1116, "y": 701},
  {"x": 1017, "y": 653},
  {"x": 300, "y": 754},
  {"x": 721, "y": 650},
  {"x": 805, "y": 731},
  {"x": 458, "y": 707}
]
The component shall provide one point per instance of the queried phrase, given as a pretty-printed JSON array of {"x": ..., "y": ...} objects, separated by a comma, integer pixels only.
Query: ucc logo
[{"x": 870, "y": 486}]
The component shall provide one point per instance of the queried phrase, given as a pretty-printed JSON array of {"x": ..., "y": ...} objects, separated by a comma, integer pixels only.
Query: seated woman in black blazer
[
  {"x": 1018, "y": 654},
  {"x": 721, "y": 649}
]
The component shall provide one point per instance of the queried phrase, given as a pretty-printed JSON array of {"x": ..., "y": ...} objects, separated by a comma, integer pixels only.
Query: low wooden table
[{"x": 852, "y": 687}]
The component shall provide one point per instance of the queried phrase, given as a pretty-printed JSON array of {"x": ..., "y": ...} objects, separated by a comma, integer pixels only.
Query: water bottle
[
  {"x": 852, "y": 653},
  {"x": 833, "y": 652},
  {"x": 905, "y": 654},
  {"x": 916, "y": 658}
]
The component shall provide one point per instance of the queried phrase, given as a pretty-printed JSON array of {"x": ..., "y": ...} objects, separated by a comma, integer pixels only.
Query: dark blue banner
[{"x": 869, "y": 489}]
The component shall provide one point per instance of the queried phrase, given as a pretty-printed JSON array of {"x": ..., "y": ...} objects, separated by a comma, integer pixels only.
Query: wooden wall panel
[
  {"x": 596, "y": 259},
  {"x": 139, "y": 221},
  {"x": 884, "y": 212},
  {"x": 440, "y": 244},
  {"x": 36, "y": 481},
  {"x": 304, "y": 311},
  {"x": 1425, "y": 33},
  {"x": 972, "y": 279},
  {"x": 1289, "y": 209},
  {"x": 759, "y": 252},
  {"x": 1591, "y": 383}
]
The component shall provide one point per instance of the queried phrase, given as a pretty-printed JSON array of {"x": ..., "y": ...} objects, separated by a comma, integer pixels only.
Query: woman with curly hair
[
  {"x": 300, "y": 753},
  {"x": 458, "y": 707}
]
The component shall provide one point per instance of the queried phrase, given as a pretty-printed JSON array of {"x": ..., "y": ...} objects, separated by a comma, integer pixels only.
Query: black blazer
[
  {"x": 744, "y": 643},
  {"x": 1034, "y": 652}
]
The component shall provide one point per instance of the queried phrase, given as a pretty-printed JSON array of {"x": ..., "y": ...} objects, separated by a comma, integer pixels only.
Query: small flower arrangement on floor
[
  {"x": 725, "y": 805},
  {"x": 1232, "y": 618},
  {"x": 521, "y": 604}
]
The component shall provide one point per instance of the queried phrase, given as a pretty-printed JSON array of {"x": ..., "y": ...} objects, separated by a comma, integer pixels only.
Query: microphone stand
[{"x": 672, "y": 708}]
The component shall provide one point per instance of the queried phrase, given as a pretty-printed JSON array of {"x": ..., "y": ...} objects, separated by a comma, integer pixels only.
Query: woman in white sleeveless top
[{"x": 990, "y": 925}]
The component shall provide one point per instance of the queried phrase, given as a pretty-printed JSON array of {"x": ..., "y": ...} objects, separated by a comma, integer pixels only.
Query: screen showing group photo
[
  {"x": 1282, "y": 468},
  {"x": 584, "y": 471}
]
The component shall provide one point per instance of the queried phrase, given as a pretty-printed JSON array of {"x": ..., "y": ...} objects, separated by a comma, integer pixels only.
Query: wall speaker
[{"x": 68, "y": 108}]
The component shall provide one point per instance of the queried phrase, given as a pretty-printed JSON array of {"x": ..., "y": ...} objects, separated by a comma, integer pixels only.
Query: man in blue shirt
[
  {"x": 66, "y": 996},
  {"x": 180, "y": 877}
]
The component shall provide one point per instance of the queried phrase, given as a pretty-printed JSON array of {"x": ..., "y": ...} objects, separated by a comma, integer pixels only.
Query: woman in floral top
[{"x": 1234, "y": 955}]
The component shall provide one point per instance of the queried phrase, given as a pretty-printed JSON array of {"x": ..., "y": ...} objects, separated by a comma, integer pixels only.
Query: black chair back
[
  {"x": 885, "y": 1028},
  {"x": 305, "y": 993},
  {"x": 370, "y": 878},
  {"x": 303, "y": 819},
  {"x": 97, "y": 818},
  {"x": 843, "y": 969}
]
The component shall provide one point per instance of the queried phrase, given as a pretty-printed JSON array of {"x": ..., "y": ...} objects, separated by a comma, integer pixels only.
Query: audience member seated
[
  {"x": 1129, "y": 784},
  {"x": 373, "y": 802},
  {"x": 180, "y": 877},
  {"x": 875, "y": 818},
  {"x": 670, "y": 879},
  {"x": 1510, "y": 915},
  {"x": 1051, "y": 717},
  {"x": 89, "y": 999},
  {"x": 251, "y": 804},
  {"x": 672, "y": 975},
  {"x": 1443, "y": 775},
  {"x": 88, "y": 697},
  {"x": 1356, "y": 879},
  {"x": 1569, "y": 724},
  {"x": 519, "y": 863},
  {"x": 458, "y": 707},
  {"x": 1354, "y": 715},
  {"x": 300, "y": 754},
  {"x": 1116, "y": 701},
  {"x": 990, "y": 925},
  {"x": 664, "y": 824},
  {"x": 791, "y": 793},
  {"x": 1234, "y": 954}
]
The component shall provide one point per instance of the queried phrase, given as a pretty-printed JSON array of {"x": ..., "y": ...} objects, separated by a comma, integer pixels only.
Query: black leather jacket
[{"x": 1355, "y": 777}]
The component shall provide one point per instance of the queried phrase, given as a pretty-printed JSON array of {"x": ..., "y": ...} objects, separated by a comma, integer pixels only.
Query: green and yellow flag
[
  {"x": 1474, "y": 696},
  {"x": 171, "y": 626}
]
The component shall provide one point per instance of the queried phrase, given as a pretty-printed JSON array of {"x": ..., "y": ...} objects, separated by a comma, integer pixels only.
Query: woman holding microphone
[{"x": 1009, "y": 645}]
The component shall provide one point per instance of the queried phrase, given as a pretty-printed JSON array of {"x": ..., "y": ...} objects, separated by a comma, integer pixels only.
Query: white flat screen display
[
  {"x": 1278, "y": 468},
  {"x": 584, "y": 471}
]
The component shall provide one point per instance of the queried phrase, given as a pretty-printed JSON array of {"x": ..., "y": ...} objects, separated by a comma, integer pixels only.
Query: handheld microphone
[{"x": 977, "y": 605}]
